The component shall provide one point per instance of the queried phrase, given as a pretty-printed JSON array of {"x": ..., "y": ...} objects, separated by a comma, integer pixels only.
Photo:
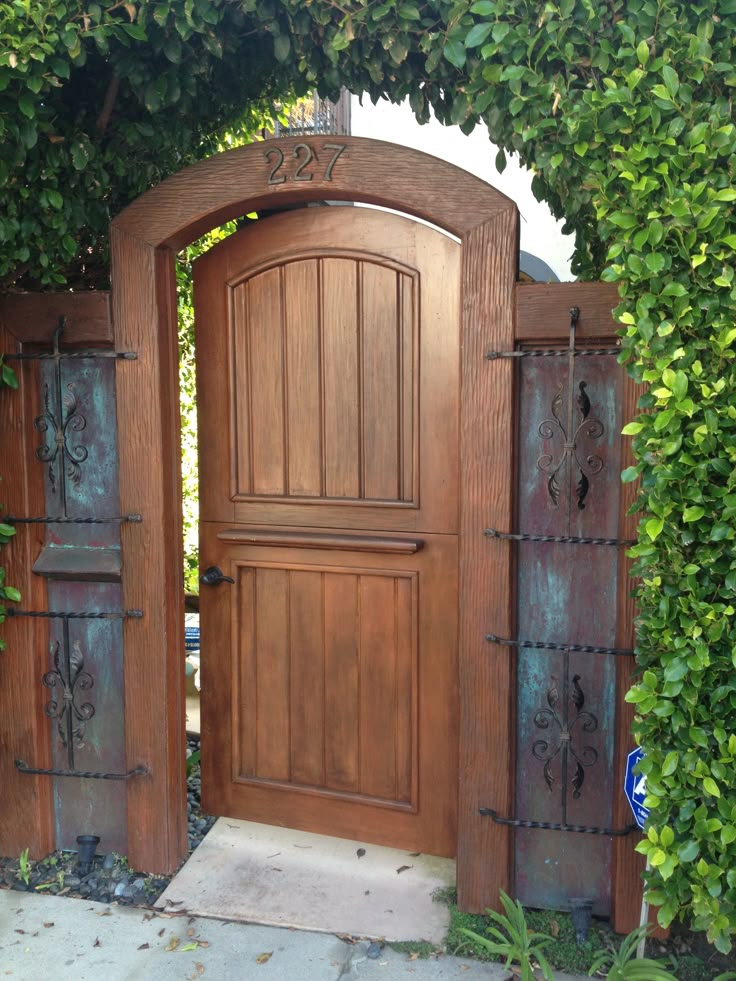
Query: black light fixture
[
  {"x": 86, "y": 851},
  {"x": 581, "y": 911}
]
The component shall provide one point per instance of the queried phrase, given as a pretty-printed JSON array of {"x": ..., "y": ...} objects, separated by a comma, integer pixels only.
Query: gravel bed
[{"x": 109, "y": 878}]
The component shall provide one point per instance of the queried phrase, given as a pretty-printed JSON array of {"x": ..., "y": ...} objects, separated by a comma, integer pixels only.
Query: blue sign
[{"x": 635, "y": 787}]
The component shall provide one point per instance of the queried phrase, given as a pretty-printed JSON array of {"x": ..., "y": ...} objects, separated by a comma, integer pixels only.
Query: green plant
[
  {"x": 512, "y": 939},
  {"x": 622, "y": 964},
  {"x": 193, "y": 760},
  {"x": 24, "y": 867}
]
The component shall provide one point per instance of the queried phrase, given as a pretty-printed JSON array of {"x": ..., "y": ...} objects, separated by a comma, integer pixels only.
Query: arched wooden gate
[
  {"x": 425, "y": 469},
  {"x": 145, "y": 238}
]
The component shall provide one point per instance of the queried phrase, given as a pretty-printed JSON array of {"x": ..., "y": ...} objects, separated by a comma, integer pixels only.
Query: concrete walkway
[{"x": 45, "y": 937}]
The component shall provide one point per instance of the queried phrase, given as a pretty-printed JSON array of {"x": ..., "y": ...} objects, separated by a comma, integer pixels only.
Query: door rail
[{"x": 310, "y": 539}]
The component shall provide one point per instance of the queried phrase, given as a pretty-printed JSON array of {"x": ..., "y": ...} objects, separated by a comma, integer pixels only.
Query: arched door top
[{"x": 278, "y": 173}]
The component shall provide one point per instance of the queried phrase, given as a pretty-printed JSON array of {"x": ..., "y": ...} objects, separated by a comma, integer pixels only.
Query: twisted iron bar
[
  {"x": 58, "y": 520},
  {"x": 54, "y": 615},
  {"x": 138, "y": 771},
  {"x": 558, "y": 539},
  {"x": 551, "y": 826},
  {"x": 552, "y": 353},
  {"x": 538, "y": 645}
]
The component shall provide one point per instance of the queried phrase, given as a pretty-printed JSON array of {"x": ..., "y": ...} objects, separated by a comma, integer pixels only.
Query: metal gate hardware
[
  {"x": 60, "y": 416},
  {"x": 57, "y": 355},
  {"x": 70, "y": 678},
  {"x": 558, "y": 539},
  {"x": 584, "y": 352},
  {"x": 53, "y": 615},
  {"x": 213, "y": 576},
  {"x": 58, "y": 520},
  {"x": 138, "y": 771},
  {"x": 551, "y": 826},
  {"x": 539, "y": 645}
]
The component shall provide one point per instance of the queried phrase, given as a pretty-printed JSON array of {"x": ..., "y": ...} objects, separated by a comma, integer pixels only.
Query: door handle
[{"x": 213, "y": 576}]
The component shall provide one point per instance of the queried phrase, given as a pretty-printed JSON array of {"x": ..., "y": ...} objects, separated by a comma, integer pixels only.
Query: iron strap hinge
[
  {"x": 59, "y": 520},
  {"x": 54, "y": 615},
  {"x": 557, "y": 539},
  {"x": 539, "y": 645},
  {"x": 551, "y": 826},
  {"x": 583, "y": 352},
  {"x": 57, "y": 355},
  {"x": 138, "y": 771}
]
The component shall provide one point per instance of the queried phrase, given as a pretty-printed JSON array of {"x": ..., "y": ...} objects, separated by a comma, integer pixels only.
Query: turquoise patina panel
[
  {"x": 82, "y": 565},
  {"x": 569, "y": 467}
]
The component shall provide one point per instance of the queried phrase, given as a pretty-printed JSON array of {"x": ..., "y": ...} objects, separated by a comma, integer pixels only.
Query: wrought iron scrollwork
[
  {"x": 61, "y": 418},
  {"x": 561, "y": 742},
  {"x": 588, "y": 428},
  {"x": 71, "y": 678},
  {"x": 70, "y": 420}
]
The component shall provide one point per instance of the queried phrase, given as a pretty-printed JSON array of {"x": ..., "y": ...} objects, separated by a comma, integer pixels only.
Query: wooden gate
[
  {"x": 429, "y": 468},
  {"x": 328, "y": 392},
  {"x": 144, "y": 240}
]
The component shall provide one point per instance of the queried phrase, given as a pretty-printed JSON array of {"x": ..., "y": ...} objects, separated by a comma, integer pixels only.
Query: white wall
[{"x": 541, "y": 234}]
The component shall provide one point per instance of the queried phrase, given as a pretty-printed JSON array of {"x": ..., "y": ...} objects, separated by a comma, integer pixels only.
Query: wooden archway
[{"x": 144, "y": 240}]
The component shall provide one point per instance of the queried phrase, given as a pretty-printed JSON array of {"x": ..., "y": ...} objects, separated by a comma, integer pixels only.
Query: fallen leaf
[
  {"x": 97, "y": 942},
  {"x": 148, "y": 916},
  {"x": 162, "y": 931},
  {"x": 200, "y": 968},
  {"x": 19, "y": 931},
  {"x": 275, "y": 869},
  {"x": 204, "y": 943},
  {"x": 105, "y": 912},
  {"x": 262, "y": 958},
  {"x": 414, "y": 955},
  {"x": 144, "y": 947},
  {"x": 190, "y": 931},
  {"x": 360, "y": 852},
  {"x": 47, "y": 925},
  {"x": 414, "y": 854},
  {"x": 554, "y": 928},
  {"x": 403, "y": 868},
  {"x": 188, "y": 947},
  {"x": 172, "y": 944}
]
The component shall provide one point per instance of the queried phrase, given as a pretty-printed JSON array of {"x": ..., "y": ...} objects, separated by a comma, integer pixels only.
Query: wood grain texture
[
  {"x": 26, "y": 808},
  {"x": 148, "y": 431},
  {"x": 487, "y": 486},
  {"x": 543, "y": 311},
  {"x": 143, "y": 239},
  {"x": 32, "y": 318},
  {"x": 312, "y": 539},
  {"x": 232, "y": 184}
]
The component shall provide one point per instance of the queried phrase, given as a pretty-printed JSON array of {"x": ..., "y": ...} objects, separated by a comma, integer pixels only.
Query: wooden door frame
[{"x": 144, "y": 241}]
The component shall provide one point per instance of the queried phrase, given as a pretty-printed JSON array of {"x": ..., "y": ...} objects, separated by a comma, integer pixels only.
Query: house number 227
[{"x": 302, "y": 166}]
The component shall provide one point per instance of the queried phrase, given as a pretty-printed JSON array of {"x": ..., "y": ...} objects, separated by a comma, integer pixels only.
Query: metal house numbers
[{"x": 303, "y": 164}]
